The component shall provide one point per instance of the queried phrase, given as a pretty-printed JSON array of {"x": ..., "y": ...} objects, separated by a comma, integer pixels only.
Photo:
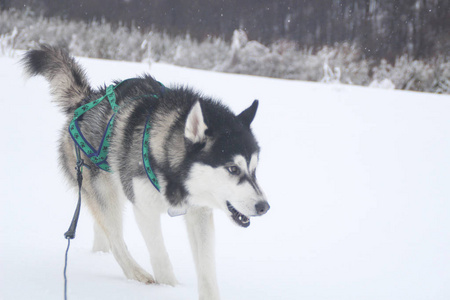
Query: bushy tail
[{"x": 68, "y": 82}]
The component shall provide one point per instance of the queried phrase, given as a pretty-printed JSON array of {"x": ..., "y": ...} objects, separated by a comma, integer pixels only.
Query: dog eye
[{"x": 233, "y": 170}]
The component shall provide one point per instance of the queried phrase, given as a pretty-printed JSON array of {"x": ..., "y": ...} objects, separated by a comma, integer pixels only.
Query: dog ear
[
  {"x": 195, "y": 127},
  {"x": 246, "y": 117}
]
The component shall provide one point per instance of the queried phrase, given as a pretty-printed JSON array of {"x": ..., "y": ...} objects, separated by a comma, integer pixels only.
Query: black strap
[{"x": 70, "y": 234}]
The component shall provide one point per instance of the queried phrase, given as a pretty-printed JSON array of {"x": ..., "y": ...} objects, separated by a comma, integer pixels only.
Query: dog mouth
[{"x": 239, "y": 218}]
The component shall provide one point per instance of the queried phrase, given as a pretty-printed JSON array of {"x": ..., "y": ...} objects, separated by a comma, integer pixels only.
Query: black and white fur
[{"x": 203, "y": 155}]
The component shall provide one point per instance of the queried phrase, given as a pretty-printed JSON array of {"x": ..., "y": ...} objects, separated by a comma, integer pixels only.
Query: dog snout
[{"x": 262, "y": 207}]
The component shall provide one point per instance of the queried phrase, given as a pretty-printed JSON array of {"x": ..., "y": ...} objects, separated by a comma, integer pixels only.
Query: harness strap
[
  {"x": 99, "y": 156},
  {"x": 112, "y": 97},
  {"x": 145, "y": 155}
]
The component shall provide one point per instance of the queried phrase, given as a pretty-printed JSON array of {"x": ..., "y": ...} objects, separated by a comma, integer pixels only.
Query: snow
[{"x": 357, "y": 179}]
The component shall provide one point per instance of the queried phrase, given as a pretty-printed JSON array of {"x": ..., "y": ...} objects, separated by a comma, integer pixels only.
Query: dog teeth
[
  {"x": 243, "y": 219},
  {"x": 237, "y": 216}
]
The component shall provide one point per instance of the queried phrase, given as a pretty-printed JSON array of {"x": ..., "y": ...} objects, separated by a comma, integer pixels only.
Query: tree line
[{"x": 381, "y": 28}]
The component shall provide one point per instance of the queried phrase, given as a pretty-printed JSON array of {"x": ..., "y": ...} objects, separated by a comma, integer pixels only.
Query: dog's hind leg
[
  {"x": 107, "y": 209},
  {"x": 200, "y": 227},
  {"x": 149, "y": 221},
  {"x": 101, "y": 243}
]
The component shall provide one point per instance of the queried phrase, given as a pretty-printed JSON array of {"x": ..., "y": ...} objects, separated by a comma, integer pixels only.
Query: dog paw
[
  {"x": 141, "y": 276},
  {"x": 100, "y": 248},
  {"x": 167, "y": 279}
]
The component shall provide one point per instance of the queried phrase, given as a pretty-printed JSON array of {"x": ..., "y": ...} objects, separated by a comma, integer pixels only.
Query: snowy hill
[{"x": 357, "y": 179}]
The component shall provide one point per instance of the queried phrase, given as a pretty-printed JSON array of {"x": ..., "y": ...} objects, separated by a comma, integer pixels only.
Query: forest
[
  {"x": 363, "y": 42},
  {"x": 382, "y": 28}
]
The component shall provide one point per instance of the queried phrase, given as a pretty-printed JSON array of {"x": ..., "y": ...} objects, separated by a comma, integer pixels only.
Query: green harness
[{"x": 99, "y": 156}]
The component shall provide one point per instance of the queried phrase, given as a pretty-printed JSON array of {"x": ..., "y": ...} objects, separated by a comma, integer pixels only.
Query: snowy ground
[{"x": 357, "y": 178}]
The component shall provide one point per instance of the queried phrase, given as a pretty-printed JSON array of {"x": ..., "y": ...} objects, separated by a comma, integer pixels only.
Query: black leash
[{"x": 70, "y": 234}]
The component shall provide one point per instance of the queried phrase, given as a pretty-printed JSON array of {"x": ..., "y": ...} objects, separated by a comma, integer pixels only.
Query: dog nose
[{"x": 262, "y": 207}]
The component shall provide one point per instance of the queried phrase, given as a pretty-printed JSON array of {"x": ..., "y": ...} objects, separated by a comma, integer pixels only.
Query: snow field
[{"x": 357, "y": 179}]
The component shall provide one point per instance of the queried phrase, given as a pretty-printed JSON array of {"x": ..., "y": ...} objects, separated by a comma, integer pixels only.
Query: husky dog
[{"x": 203, "y": 156}]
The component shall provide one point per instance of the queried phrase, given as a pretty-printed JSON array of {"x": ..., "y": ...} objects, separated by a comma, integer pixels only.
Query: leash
[{"x": 70, "y": 234}]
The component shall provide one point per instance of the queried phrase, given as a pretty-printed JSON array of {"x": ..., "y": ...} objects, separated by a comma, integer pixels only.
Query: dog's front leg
[
  {"x": 149, "y": 222},
  {"x": 200, "y": 226}
]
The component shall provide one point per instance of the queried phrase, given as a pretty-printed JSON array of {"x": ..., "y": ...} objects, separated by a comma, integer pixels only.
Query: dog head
[{"x": 224, "y": 155}]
